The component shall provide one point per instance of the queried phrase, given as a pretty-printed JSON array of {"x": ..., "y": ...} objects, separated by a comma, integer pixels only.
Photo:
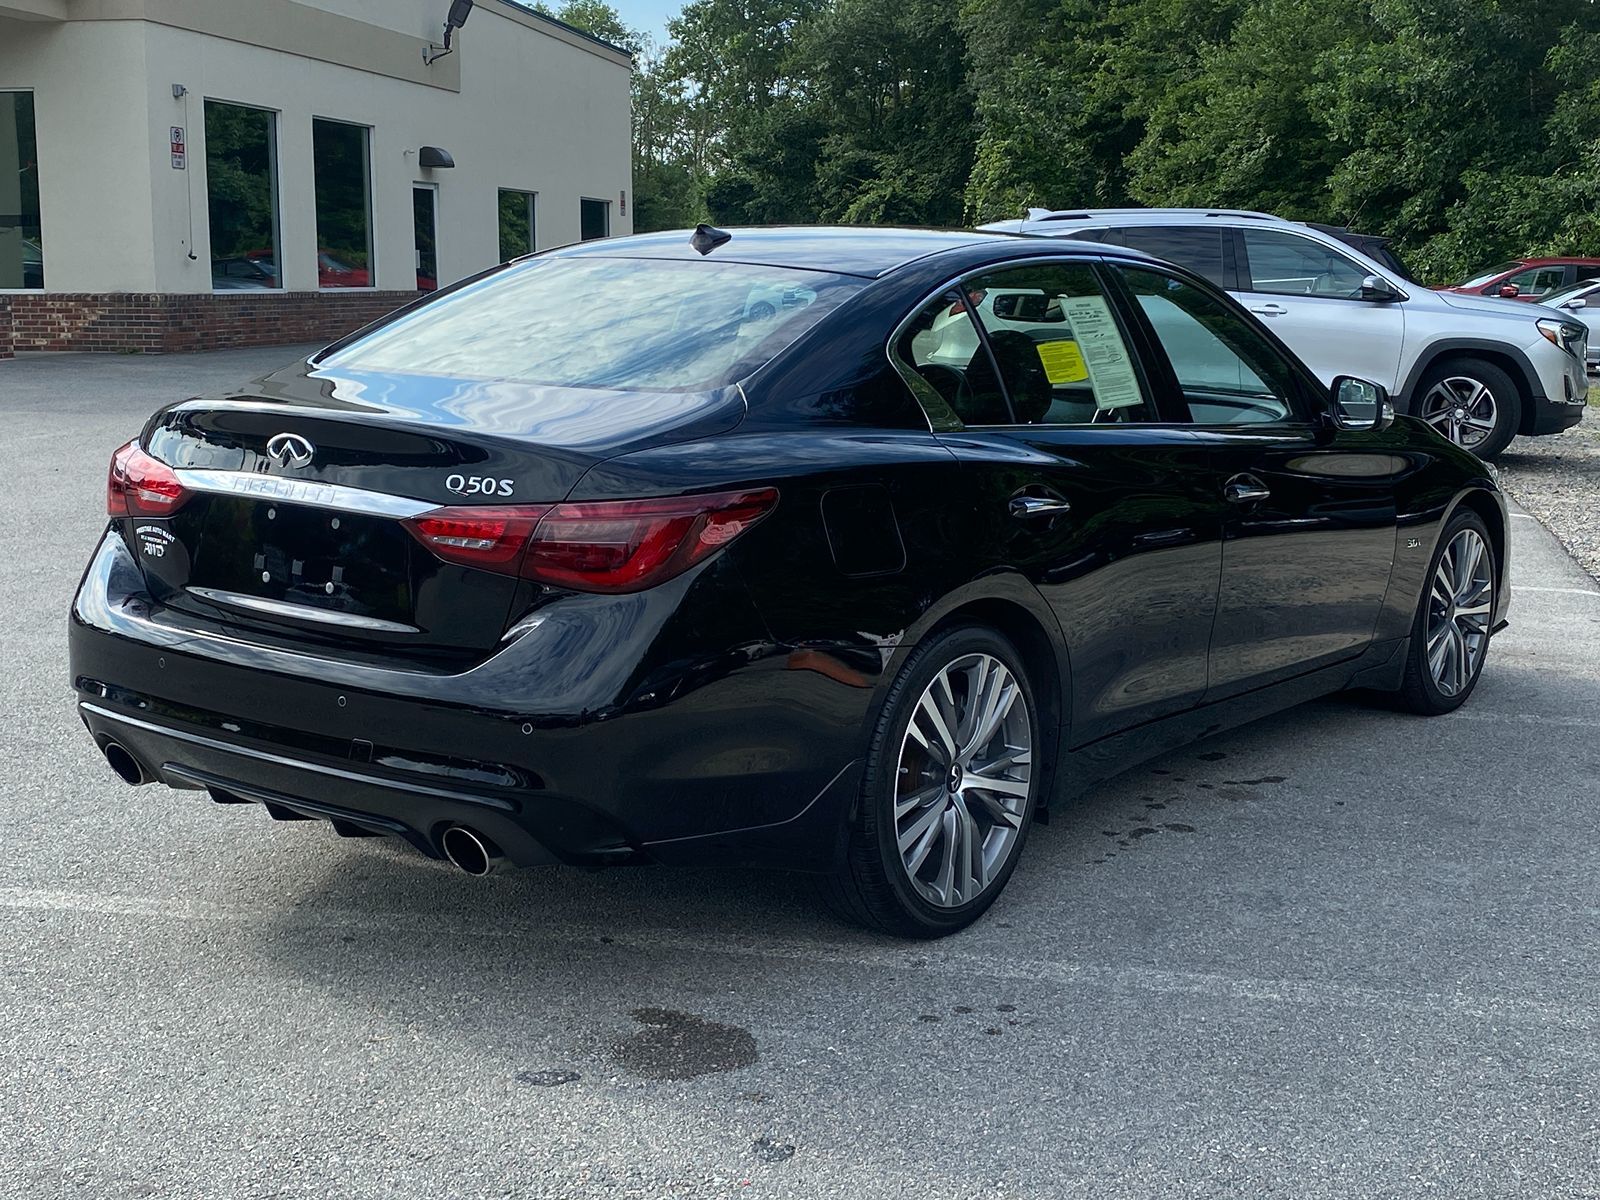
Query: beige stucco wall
[{"x": 517, "y": 106}]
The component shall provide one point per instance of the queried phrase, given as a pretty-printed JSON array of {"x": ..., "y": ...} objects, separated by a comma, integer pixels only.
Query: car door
[
  {"x": 1309, "y": 531},
  {"x": 1072, "y": 475},
  {"x": 1310, "y": 296}
]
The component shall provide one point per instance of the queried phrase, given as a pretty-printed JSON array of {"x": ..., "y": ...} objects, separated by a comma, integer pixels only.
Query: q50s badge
[{"x": 478, "y": 485}]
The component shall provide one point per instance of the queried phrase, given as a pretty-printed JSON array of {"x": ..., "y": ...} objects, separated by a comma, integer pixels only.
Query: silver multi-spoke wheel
[
  {"x": 1462, "y": 408},
  {"x": 962, "y": 784},
  {"x": 1460, "y": 608}
]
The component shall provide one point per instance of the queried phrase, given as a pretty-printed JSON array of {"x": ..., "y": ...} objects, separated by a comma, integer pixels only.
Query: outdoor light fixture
[
  {"x": 460, "y": 10},
  {"x": 432, "y": 157}
]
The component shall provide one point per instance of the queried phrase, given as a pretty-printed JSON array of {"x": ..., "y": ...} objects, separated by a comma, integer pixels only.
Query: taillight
[
  {"x": 140, "y": 486},
  {"x": 594, "y": 546},
  {"x": 491, "y": 538}
]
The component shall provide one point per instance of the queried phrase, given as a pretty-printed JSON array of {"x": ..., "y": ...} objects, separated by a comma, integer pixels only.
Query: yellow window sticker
[{"x": 1063, "y": 362}]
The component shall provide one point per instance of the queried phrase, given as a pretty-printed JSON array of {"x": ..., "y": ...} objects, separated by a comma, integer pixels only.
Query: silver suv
[{"x": 1479, "y": 370}]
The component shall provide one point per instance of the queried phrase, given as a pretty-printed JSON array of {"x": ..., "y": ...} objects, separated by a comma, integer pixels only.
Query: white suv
[{"x": 1479, "y": 370}]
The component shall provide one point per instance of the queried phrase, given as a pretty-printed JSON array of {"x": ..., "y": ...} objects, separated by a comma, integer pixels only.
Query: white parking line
[
  {"x": 1523, "y": 517},
  {"x": 1516, "y": 590},
  {"x": 1500, "y": 1008}
]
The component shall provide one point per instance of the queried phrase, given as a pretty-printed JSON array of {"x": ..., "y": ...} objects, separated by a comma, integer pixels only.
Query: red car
[{"x": 1529, "y": 278}]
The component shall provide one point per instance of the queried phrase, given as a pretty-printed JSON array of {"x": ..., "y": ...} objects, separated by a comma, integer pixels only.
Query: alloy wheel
[
  {"x": 1462, "y": 408},
  {"x": 1460, "y": 607},
  {"x": 963, "y": 780}
]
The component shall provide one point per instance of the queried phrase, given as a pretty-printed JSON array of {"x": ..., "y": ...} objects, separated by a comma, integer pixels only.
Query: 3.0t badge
[{"x": 290, "y": 450}]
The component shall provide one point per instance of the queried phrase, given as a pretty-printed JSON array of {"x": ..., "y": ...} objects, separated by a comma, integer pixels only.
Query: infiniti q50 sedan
[{"x": 594, "y": 558}]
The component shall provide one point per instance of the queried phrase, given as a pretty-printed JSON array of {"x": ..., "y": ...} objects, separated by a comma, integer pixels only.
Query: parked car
[
  {"x": 1581, "y": 302},
  {"x": 562, "y": 566},
  {"x": 1479, "y": 370},
  {"x": 1528, "y": 278}
]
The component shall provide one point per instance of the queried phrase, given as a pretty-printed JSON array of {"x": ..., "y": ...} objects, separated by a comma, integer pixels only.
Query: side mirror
[
  {"x": 1360, "y": 404},
  {"x": 1576, "y": 303},
  {"x": 1510, "y": 291},
  {"x": 1377, "y": 289}
]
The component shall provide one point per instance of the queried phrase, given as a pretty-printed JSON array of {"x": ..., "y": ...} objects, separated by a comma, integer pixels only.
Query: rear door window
[
  {"x": 1203, "y": 249},
  {"x": 1286, "y": 264}
]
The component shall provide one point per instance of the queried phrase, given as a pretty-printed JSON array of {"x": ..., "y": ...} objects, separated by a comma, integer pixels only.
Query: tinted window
[
  {"x": 1286, "y": 264},
  {"x": 1585, "y": 272},
  {"x": 21, "y": 247},
  {"x": 344, "y": 204},
  {"x": 625, "y": 324},
  {"x": 1196, "y": 248},
  {"x": 950, "y": 370},
  {"x": 242, "y": 195},
  {"x": 594, "y": 218},
  {"x": 1057, "y": 347},
  {"x": 1228, "y": 372}
]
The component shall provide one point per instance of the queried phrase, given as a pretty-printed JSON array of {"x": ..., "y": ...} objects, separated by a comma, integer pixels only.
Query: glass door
[{"x": 425, "y": 221}]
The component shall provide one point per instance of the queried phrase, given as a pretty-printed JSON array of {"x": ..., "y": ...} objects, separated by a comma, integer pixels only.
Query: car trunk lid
[{"x": 296, "y": 490}]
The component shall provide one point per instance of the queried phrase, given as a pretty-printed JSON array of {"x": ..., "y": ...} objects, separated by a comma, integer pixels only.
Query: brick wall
[{"x": 154, "y": 323}]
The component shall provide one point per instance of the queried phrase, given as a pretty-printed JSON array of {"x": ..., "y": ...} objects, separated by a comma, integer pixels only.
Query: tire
[
  {"x": 1472, "y": 402},
  {"x": 969, "y": 836},
  {"x": 1425, "y": 689}
]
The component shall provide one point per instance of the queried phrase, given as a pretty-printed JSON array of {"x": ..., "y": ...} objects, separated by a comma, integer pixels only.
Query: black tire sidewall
[
  {"x": 1507, "y": 399},
  {"x": 883, "y": 760}
]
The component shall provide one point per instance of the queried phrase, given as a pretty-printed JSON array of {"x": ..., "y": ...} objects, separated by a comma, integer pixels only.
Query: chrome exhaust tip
[
  {"x": 471, "y": 852},
  {"x": 124, "y": 764}
]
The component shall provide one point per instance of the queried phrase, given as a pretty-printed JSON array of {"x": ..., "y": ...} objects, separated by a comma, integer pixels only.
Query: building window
[
  {"x": 516, "y": 224},
  {"x": 343, "y": 182},
  {"x": 242, "y": 196},
  {"x": 425, "y": 226},
  {"x": 596, "y": 219},
  {"x": 21, "y": 247}
]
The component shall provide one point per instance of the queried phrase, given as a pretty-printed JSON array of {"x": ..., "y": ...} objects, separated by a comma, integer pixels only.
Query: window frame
[
  {"x": 43, "y": 273},
  {"x": 1308, "y": 400},
  {"x": 371, "y": 205},
  {"x": 531, "y": 211},
  {"x": 1247, "y": 279},
  {"x": 605, "y": 206},
  {"x": 275, "y": 178}
]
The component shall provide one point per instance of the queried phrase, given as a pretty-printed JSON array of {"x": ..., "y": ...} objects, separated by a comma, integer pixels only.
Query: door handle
[
  {"x": 1245, "y": 489},
  {"x": 1025, "y": 508},
  {"x": 1270, "y": 310}
]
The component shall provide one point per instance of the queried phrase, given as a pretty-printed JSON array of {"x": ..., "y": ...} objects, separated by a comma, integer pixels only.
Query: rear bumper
[{"x": 730, "y": 760}]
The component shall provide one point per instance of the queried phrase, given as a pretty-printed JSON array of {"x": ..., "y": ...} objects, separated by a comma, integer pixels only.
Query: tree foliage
[{"x": 1469, "y": 130}]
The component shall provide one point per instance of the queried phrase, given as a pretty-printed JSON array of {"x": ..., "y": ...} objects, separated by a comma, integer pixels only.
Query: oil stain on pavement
[{"x": 675, "y": 1045}]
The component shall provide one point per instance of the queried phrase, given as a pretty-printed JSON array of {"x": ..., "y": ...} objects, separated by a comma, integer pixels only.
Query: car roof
[
  {"x": 1559, "y": 261},
  {"x": 842, "y": 249}
]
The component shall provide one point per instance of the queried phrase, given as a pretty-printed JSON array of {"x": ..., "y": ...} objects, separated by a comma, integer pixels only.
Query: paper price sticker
[{"x": 1063, "y": 362}]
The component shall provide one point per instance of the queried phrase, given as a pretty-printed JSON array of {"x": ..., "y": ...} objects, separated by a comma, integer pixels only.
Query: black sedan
[{"x": 841, "y": 550}]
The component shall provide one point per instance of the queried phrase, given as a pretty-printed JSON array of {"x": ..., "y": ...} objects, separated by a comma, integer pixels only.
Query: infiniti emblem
[{"x": 290, "y": 450}]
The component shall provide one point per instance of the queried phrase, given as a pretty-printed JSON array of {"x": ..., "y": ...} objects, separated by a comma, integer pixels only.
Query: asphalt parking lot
[{"x": 1338, "y": 953}]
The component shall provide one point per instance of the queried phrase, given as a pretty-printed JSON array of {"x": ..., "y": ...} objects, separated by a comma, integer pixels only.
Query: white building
[{"x": 177, "y": 174}]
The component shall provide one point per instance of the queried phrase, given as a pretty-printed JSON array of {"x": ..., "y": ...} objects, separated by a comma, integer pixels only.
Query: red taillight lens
[
  {"x": 629, "y": 545},
  {"x": 596, "y": 546},
  {"x": 140, "y": 486},
  {"x": 490, "y": 538}
]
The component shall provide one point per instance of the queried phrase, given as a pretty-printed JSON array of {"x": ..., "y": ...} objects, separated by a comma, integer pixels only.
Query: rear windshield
[{"x": 615, "y": 323}]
